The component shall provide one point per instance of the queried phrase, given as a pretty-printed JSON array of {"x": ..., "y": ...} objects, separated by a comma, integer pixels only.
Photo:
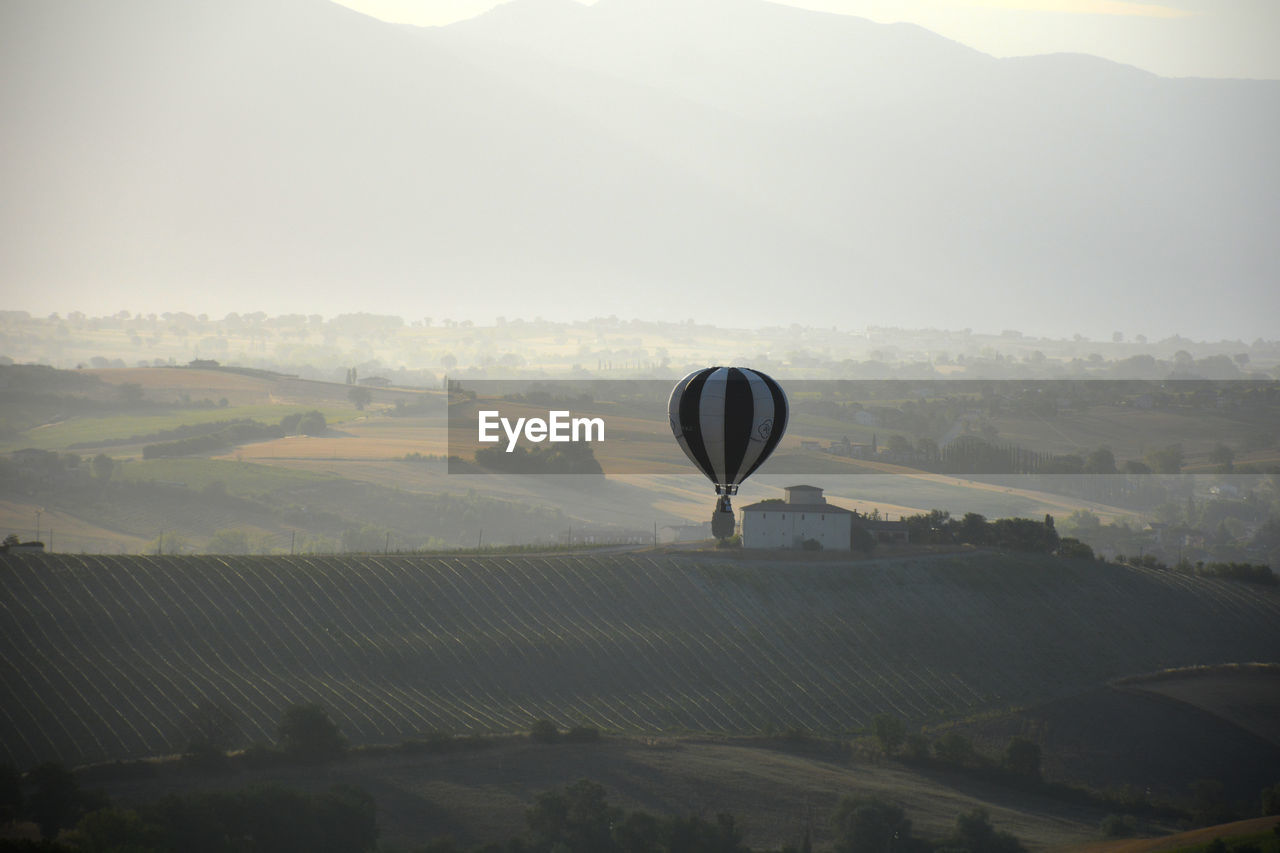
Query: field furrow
[{"x": 112, "y": 657}]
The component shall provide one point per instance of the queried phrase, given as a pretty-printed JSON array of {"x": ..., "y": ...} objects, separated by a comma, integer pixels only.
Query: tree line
[{"x": 232, "y": 433}]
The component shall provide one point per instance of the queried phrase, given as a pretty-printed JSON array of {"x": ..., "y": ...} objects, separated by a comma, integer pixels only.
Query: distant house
[
  {"x": 803, "y": 515},
  {"x": 11, "y": 545}
]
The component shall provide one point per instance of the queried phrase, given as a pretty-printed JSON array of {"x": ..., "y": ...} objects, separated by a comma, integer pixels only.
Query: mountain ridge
[{"x": 237, "y": 155}]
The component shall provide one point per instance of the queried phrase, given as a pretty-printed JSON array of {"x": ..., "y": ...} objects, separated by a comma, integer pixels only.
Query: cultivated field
[{"x": 107, "y": 657}]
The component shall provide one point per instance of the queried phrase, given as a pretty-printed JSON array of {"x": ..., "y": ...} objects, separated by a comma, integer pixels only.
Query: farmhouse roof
[{"x": 782, "y": 506}]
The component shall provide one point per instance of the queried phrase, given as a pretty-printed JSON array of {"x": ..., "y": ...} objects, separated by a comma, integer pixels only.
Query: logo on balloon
[{"x": 765, "y": 429}]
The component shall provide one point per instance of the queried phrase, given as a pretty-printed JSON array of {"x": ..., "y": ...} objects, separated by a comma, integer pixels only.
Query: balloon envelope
[{"x": 727, "y": 420}]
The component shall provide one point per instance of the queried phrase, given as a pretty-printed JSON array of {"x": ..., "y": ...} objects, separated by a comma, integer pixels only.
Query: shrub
[
  {"x": 582, "y": 734},
  {"x": 544, "y": 731},
  {"x": 1118, "y": 826},
  {"x": 953, "y": 748},
  {"x": 307, "y": 734}
]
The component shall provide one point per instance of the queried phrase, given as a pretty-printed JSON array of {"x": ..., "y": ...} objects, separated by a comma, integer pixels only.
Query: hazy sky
[{"x": 1177, "y": 38}]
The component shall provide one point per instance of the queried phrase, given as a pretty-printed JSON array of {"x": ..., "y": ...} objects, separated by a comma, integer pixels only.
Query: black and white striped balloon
[{"x": 727, "y": 420}]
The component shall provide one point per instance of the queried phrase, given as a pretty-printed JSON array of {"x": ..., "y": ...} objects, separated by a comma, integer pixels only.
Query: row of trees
[
  {"x": 260, "y": 817},
  {"x": 1021, "y": 757},
  {"x": 1016, "y": 534},
  {"x": 50, "y": 794},
  {"x": 238, "y": 432},
  {"x": 579, "y": 819}
]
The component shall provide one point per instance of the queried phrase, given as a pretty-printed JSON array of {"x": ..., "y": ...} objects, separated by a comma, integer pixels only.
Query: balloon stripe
[
  {"x": 690, "y": 422},
  {"x": 711, "y": 419},
  {"x": 739, "y": 408},
  {"x": 761, "y": 424},
  {"x": 779, "y": 422}
]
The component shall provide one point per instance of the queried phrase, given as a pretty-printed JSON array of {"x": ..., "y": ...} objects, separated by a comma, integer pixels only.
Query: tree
[
  {"x": 103, "y": 466},
  {"x": 56, "y": 801},
  {"x": 228, "y": 542},
  {"x": 639, "y": 832},
  {"x": 1022, "y": 757},
  {"x": 917, "y": 746},
  {"x": 544, "y": 731},
  {"x": 973, "y": 529},
  {"x": 130, "y": 393},
  {"x": 312, "y": 423},
  {"x": 11, "y": 793},
  {"x": 1100, "y": 461},
  {"x": 869, "y": 826},
  {"x": 953, "y": 748},
  {"x": 976, "y": 834},
  {"x": 112, "y": 830},
  {"x": 360, "y": 396},
  {"x": 306, "y": 733},
  {"x": 1271, "y": 800},
  {"x": 1074, "y": 549},
  {"x": 861, "y": 540},
  {"x": 899, "y": 444},
  {"x": 1222, "y": 456},
  {"x": 889, "y": 730},
  {"x": 1209, "y": 803},
  {"x": 211, "y": 730},
  {"x": 578, "y": 817},
  {"x": 1166, "y": 460}
]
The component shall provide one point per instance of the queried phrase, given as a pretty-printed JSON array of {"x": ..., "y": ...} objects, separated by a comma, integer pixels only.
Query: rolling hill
[{"x": 110, "y": 657}]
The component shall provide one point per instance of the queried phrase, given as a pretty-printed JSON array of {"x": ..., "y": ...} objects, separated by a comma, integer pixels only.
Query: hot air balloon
[{"x": 727, "y": 420}]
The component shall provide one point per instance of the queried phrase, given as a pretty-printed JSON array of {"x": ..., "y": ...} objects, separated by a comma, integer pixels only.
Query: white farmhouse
[{"x": 805, "y": 514}]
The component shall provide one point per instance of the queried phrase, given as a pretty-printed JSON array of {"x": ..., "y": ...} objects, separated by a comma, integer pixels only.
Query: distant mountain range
[{"x": 735, "y": 161}]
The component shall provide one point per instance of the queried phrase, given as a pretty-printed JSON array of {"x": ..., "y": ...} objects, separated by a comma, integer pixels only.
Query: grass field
[
  {"x": 92, "y": 431},
  {"x": 1191, "y": 841},
  {"x": 243, "y": 478},
  {"x": 774, "y": 789}
]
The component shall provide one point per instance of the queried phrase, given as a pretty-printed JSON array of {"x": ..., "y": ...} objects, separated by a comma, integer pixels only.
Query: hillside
[
  {"x": 1159, "y": 734},
  {"x": 107, "y": 657},
  {"x": 774, "y": 789}
]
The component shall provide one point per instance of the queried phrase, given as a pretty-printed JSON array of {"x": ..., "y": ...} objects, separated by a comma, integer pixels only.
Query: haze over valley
[{"x": 655, "y": 159}]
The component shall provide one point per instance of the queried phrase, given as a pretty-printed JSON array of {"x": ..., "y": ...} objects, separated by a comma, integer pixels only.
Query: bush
[
  {"x": 953, "y": 748},
  {"x": 1023, "y": 757},
  {"x": 917, "y": 746},
  {"x": 307, "y": 734},
  {"x": 889, "y": 730},
  {"x": 1118, "y": 826},
  {"x": 582, "y": 734},
  {"x": 811, "y": 545},
  {"x": 544, "y": 731},
  {"x": 1074, "y": 549},
  {"x": 312, "y": 423}
]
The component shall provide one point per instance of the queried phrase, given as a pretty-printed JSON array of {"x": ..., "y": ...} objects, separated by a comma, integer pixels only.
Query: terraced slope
[{"x": 107, "y": 657}]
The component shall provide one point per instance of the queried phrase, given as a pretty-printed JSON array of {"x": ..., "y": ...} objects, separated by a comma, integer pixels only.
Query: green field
[
  {"x": 92, "y": 431},
  {"x": 108, "y": 657}
]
